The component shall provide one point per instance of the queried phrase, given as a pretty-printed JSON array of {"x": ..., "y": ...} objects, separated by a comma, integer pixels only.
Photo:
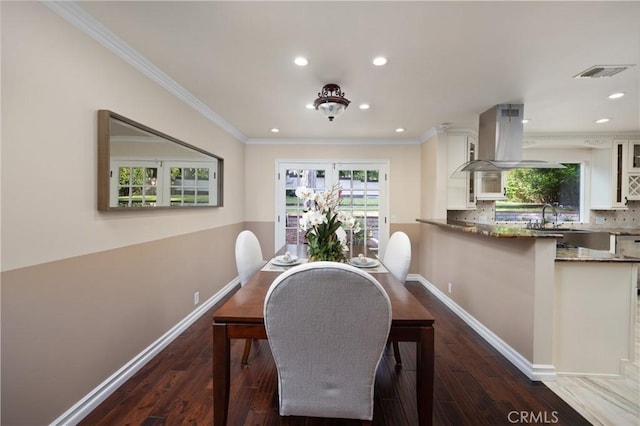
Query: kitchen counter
[
  {"x": 579, "y": 254},
  {"x": 494, "y": 231},
  {"x": 617, "y": 231},
  {"x": 548, "y": 310}
]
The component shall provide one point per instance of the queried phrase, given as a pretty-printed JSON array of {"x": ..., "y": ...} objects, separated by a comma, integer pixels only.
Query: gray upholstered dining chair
[
  {"x": 397, "y": 258},
  {"x": 327, "y": 325},
  {"x": 248, "y": 261}
]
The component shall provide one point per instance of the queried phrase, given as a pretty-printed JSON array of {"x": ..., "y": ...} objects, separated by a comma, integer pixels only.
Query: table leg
[
  {"x": 221, "y": 374},
  {"x": 425, "y": 375}
]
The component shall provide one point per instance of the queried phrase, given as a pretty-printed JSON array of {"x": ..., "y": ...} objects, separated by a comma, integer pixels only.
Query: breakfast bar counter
[
  {"x": 579, "y": 254},
  {"x": 549, "y": 310}
]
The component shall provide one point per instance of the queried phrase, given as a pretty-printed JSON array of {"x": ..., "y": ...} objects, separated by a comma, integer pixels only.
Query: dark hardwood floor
[{"x": 474, "y": 384}]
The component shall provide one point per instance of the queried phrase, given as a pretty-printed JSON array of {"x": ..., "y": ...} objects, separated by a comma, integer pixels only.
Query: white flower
[
  {"x": 311, "y": 219},
  {"x": 356, "y": 227},
  {"x": 304, "y": 193}
]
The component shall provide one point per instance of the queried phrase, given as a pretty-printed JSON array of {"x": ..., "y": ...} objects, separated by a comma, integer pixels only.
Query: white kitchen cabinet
[
  {"x": 634, "y": 155},
  {"x": 461, "y": 186},
  {"x": 491, "y": 185},
  {"x": 633, "y": 173},
  {"x": 610, "y": 177}
]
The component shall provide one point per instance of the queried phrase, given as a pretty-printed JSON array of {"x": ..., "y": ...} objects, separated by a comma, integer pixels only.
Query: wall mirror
[{"x": 142, "y": 168}]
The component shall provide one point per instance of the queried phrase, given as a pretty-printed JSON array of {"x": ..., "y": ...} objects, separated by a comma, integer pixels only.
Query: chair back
[
  {"x": 248, "y": 255},
  {"x": 327, "y": 325},
  {"x": 397, "y": 256}
]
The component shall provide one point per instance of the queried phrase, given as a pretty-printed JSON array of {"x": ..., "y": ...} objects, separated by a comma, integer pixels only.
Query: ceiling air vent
[{"x": 600, "y": 71}]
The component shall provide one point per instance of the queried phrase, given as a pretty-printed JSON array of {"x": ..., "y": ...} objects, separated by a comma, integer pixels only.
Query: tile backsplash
[
  {"x": 629, "y": 218},
  {"x": 485, "y": 212}
]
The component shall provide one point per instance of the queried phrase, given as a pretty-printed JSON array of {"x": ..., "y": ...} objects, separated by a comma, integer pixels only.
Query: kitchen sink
[
  {"x": 573, "y": 237},
  {"x": 561, "y": 230}
]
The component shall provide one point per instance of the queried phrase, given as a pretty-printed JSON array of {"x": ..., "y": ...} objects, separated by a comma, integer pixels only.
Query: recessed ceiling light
[
  {"x": 616, "y": 95},
  {"x": 310, "y": 106},
  {"x": 399, "y": 130},
  {"x": 364, "y": 106},
  {"x": 603, "y": 120},
  {"x": 379, "y": 61},
  {"x": 525, "y": 120},
  {"x": 275, "y": 130},
  {"x": 300, "y": 61}
]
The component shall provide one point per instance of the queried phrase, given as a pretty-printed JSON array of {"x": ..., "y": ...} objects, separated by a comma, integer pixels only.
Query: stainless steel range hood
[{"x": 500, "y": 142}]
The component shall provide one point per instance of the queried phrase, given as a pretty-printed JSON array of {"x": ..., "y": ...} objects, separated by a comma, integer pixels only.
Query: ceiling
[{"x": 447, "y": 62}]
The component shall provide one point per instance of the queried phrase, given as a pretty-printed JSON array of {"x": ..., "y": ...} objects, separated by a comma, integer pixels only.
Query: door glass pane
[
  {"x": 360, "y": 195},
  {"x": 311, "y": 178}
]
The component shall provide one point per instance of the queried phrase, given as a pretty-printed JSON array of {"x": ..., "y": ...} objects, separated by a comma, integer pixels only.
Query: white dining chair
[
  {"x": 397, "y": 258},
  {"x": 248, "y": 261},
  {"x": 327, "y": 325}
]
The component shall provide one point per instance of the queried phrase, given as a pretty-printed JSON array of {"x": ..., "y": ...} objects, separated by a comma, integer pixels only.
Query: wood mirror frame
[{"x": 140, "y": 168}]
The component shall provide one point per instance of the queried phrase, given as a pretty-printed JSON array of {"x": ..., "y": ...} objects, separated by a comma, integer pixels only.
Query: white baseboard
[
  {"x": 87, "y": 404},
  {"x": 535, "y": 372}
]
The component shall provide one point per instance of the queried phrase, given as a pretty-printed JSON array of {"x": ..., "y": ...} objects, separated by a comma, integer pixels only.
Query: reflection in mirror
[{"x": 139, "y": 167}]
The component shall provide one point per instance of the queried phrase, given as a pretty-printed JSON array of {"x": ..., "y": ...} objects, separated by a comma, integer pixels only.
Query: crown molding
[
  {"x": 347, "y": 141},
  {"x": 574, "y": 140},
  {"x": 86, "y": 23}
]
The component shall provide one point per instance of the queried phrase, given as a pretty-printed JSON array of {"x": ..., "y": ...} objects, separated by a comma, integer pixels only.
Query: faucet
[{"x": 555, "y": 212}]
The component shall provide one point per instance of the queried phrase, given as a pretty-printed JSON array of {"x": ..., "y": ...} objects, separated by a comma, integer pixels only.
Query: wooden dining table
[{"x": 241, "y": 317}]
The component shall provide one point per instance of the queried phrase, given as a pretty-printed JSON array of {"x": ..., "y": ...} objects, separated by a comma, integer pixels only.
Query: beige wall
[
  {"x": 404, "y": 173},
  {"x": 504, "y": 283},
  {"x": 71, "y": 323},
  {"x": 54, "y": 80},
  {"x": 82, "y": 291},
  {"x": 404, "y": 183}
]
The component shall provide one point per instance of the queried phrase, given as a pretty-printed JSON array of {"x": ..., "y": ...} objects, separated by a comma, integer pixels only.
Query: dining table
[{"x": 241, "y": 317}]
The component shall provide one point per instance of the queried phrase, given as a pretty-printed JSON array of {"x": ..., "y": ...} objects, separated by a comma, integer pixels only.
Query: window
[
  {"x": 140, "y": 183},
  {"x": 189, "y": 185},
  {"x": 528, "y": 190}
]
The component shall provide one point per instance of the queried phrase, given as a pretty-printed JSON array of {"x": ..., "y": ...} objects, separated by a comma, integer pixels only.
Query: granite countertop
[
  {"x": 495, "y": 231},
  {"x": 580, "y": 254},
  {"x": 506, "y": 231},
  {"x": 616, "y": 231}
]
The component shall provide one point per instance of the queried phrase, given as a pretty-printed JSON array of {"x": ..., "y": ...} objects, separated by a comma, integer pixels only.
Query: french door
[{"x": 363, "y": 191}]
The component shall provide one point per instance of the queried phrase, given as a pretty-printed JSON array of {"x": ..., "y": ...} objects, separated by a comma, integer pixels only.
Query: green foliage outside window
[{"x": 542, "y": 186}]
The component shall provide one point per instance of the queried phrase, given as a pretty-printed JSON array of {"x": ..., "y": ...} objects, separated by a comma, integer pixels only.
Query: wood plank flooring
[{"x": 474, "y": 384}]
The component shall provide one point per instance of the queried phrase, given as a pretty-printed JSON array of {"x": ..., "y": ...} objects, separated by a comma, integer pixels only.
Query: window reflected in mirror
[{"x": 139, "y": 167}]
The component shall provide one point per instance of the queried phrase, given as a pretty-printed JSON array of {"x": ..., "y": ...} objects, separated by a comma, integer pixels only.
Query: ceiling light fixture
[
  {"x": 275, "y": 130},
  {"x": 331, "y": 101},
  {"x": 364, "y": 106},
  {"x": 379, "y": 61},
  {"x": 525, "y": 120},
  {"x": 399, "y": 130},
  {"x": 616, "y": 95},
  {"x": 602, "y": 120},
  {"x": 300, "y": 61}
]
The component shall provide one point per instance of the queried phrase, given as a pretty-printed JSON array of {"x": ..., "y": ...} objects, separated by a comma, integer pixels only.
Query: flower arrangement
[{"x": 320, "y": 221}]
